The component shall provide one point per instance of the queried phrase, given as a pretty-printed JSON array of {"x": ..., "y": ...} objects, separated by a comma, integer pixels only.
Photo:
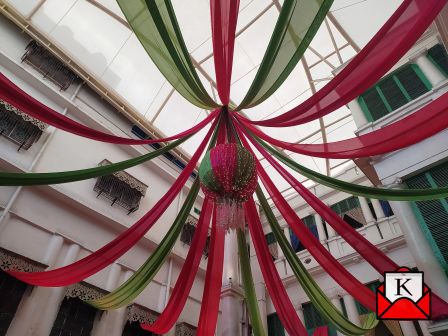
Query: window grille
[
  {"x": 48, "y": 65},
  {"x": 402, "y": 86},
  {"x": 121, "y": 188},
  {"x": 272, "y": 245},
  {"x": 187, "y": 234},
  {"x": 433, "y": 215},
  {"x": 18, "y": 126},
  {"x": 438, "y": 55}
]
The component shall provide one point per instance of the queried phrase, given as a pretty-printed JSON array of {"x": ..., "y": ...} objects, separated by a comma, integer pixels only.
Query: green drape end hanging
[
  {"x": 359, "y": 190},
  {"x": 297, "y": 24},
  {"x": 27, "y": 179},
  {"x": 129, "y": 290},
  {"x": 249, "y": 289},
  {"x": 155, "y": 25},
  {"x": 311, "y": 288}
]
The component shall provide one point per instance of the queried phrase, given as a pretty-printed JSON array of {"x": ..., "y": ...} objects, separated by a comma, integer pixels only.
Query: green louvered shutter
[
  {"x": 374, "y": 103},
  {"x": 411, "y": 81},
  {"x": 439, "y": 56},
  {"x": 361, "y": 309},
  {"x": 392, "y": 93},
  {"x": 313, "y": 319},
  {"x": 270, "y": 238},
  {"x": 346, "y": 205},
  {"x": 275, "y": 327},
  {"x": 433, "y": 215}
]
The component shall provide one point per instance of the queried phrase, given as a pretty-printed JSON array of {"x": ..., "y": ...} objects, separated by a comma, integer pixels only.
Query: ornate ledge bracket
[
  {"x": 137, "y": 313},
  {"x": 185, "y": 329},
  {"x": 84, "y": 291},
  {"x": 12, "y": 261},
  {"x": 18, "y": 126},
  {"x": 188, "y": 231},
  {"x": 121, "y": 188}
]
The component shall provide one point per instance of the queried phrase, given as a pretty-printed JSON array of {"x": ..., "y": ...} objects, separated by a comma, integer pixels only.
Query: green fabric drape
[
  {"x": 155, "y": 25},
  {"x": 26, "y": 179},
  {"x": 249, "y": 289},
  {"x": 359, "y": 190},
  {"x": 129, "y": 290},
  {"x": 315, "y": 294},
  {"x": 297, "y": 24}
]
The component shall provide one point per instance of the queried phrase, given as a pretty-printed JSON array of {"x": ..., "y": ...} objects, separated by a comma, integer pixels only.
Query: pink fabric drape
[
  {"x": 366, "y": 249},
  {"x": 277, "y": 292},
  {"x": 343, "y": 277},
  {"x": 13, "y": 95},
  {"x": 98, "y": 260},
  {"x": 427, "y": 121},
  {"x": 213, "y": 282},
  {"x": 224, "y": 15},
  {"x": 179, "y": 296},
  {"x": 384, "y": 50}
]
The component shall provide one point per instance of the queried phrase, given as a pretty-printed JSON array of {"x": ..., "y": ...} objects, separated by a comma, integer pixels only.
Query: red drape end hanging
[
  {"x": 224, "y": 15},
  {"x": 13, "y": 95},
  {"x": 179, "y": 296},
  {"x": 213, "y": 282}
]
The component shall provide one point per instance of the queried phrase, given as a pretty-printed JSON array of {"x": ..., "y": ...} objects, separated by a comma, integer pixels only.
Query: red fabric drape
[
  {"x": 98, "y": 260},
  {"x": 344, "y": 278},
  {"x": 179, "y": 296},
  {"x": 384, "y": 50},
  {"x": 381, "y": 262},
  {"x": 224, "y": 15},
  {"x": 427, "y": 121},
  {"x": 12, "y": 94},
  {"x": 321, "y": 331},
  {"x": 213, "y": 282},
  {"x": 277, "y": 292}
]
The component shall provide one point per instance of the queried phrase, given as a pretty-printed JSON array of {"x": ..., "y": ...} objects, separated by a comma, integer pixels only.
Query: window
[
  {"x": 439, "y": 57},
  {"x": 188, "y": 231},
  {"x": 75, "y": 317},
  {"x": 48, "y": 65},
  {"x": 313, "y": 319},
  {"x": 134, "y": 329},
  {"x": 121, "y": 188},
  {"x": 310, "y": 222},
  {"x": 272, "y": 245},
  {"x": 433, "y": 215},
  {"x": 361, "y": 309},
  {"x": 403, "y": 85},
  {"x": 19, "y": 127},
  {"x": 275, "y": 327},
  {"x": 350, "y": 211}
]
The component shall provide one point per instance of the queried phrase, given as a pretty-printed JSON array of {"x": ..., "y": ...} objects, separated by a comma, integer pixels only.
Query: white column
[
  {"x": 37, "y": 312},
  {"x": 358, "y": 114},
  {"x": 230, "y": 307},
  {"x": 431, "y": 72},
  {"x": 335, "y": 300},
  {"x": 320, "y": 228},
  {"x": 420, "y": 249},
  {"x": 53, "y": 249},
  {"x": 366, "y": 210},
  {"x": 379, "y": 212},
  {"x": 299, "y": 311},
  {"x": 331, "y": 231},
  {"x": 350, "y": 307},
  {"x": 408, "y": 328},
  {"x": 260, "y": 291}
]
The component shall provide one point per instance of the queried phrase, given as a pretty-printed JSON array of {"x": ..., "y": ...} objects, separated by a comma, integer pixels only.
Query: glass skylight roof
[{"x": 95, "y": 34}]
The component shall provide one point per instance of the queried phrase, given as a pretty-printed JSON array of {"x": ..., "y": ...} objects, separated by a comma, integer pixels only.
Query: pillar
[
  {"x": 331, "y": 231},
  {"x": 358, "y": 114},
  {"x": 37, "y": 312},
  {"x": 366, "y": 210},
  {"x": 431, "y": 72},
  {"x": 230, "y": 296},
  {"x": 335, "y": 300},
  {"x": 352, "y": 311},
  {"x": 260, "y": 290},
  {"x": 420, "y": 248},
  {"x": 53, "y": 249},
  {"x": 379, "y": 212},
  {"x": 299, "y": 311},
  {"x": 320, "y": 228}
]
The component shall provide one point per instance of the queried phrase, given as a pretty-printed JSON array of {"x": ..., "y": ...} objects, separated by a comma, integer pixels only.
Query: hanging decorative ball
[{"x": 228, "y": 176}]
